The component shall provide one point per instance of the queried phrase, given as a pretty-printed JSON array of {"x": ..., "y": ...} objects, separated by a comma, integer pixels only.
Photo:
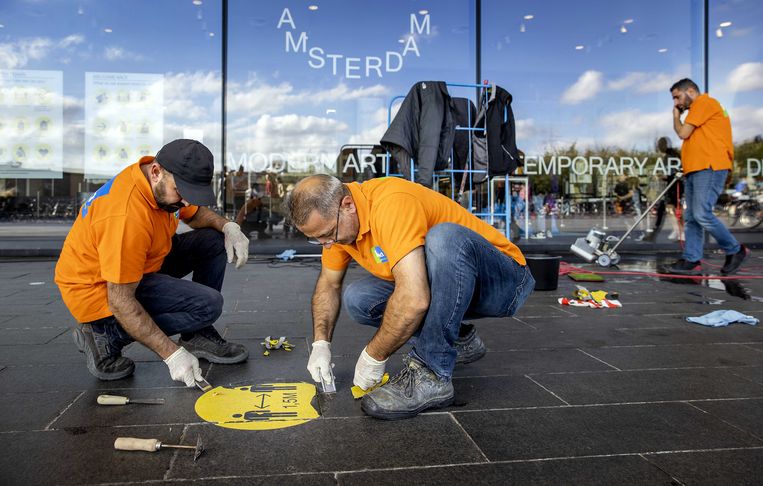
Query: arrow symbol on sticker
[{"x": 262, "y": 400}]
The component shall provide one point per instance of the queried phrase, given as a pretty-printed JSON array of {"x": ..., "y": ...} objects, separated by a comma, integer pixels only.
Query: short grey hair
[{"x": 322, "y": 193}]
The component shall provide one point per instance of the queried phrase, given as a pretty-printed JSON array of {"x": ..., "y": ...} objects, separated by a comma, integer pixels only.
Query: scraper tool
[
  {"x": 120, "y": 400},
  {"x": 203, "y": 385}
]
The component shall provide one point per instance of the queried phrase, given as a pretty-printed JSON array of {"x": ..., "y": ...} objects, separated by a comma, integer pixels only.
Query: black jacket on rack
[
  {"x": 423, "y": 129},
  {"x": 502, "y": 156}
]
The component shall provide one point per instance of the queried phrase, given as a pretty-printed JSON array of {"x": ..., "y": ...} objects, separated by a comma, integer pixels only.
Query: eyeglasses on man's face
[{"x": 329, "y": 242}]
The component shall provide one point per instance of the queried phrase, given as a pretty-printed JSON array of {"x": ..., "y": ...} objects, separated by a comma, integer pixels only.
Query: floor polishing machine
[{"x": 602, "y": 248}]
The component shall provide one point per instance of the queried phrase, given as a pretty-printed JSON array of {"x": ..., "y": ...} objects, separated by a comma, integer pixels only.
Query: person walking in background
[
  {"x": 669, "y": 206},
  {"x": 707, "y": 155}
]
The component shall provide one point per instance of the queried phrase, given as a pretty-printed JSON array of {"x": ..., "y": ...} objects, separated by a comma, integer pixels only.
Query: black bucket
[{"x": 545, "y": 270}]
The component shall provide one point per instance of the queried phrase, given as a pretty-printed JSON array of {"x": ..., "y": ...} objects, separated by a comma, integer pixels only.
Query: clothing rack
[{"x": 490, "y": 211}]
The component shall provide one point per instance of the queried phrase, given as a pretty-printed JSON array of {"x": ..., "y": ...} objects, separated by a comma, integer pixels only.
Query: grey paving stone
[
  {"x": 500, "y": 392},
  {"x": 30, "y": 335},
  {"x": 331, "y": 445},
  {"x": 582, "y": 431},
  {"x": 32, "y": 411},
  {"x": 739, "y": 467},
  {"x": 589, "y": 471},
  {"x": 753, "y": 373},
  {"x": 283, "y": 327},
  {"x": 540, "y": 311},
  {"x": 598, "y": 319},
  {"x": 178, "y": 408},
  {"x": 77, "y": 377},
  {"x": 43, "y": 354},
  {"x": 734, "y": 333},
  {"x": 648, "y": 385},
  {"x": 83, "y": 456},
  {"x": 288, "y": 366},
  {"x": 709, "y": 355},
  {"x": 530, "y": 361},
  {"x": 660, "y": 335},
  {"x": 745, "y": 414},
  {"x": 297, "y": 479}
]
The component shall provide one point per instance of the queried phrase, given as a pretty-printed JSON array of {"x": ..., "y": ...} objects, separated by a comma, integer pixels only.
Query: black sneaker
[
  {"x": 415, "y": 389},
  {"x": 469, "y": 345},
  {"x": 104, "y": 358},
  {"x": 733, "y": 262},
  {"x": 208, "y": 344},
  {"x": 685, "y": 267}
]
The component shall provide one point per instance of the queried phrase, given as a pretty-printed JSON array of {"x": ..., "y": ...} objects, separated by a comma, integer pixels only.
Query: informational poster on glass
[
  {"x": 123, "y": 120},
  {"x": 31, "y": 116}
]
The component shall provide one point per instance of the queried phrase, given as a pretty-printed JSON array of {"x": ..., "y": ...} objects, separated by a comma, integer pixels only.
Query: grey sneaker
[
  {"x": 208, "y": 344},
  {"x": 470, "y": 347},
  {"x": 415, "y": 389},
  {"x": 104, "y": 358}
]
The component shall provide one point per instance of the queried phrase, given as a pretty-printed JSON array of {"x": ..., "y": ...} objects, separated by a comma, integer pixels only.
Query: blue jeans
[
  {"x": 468, "y": 277},
  {"x": 180, "y": 306},
  {"x": 701, "y": 190}
]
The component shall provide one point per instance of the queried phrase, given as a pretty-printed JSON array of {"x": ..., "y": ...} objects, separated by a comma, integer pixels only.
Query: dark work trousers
[{"x": 180, "y": 306}]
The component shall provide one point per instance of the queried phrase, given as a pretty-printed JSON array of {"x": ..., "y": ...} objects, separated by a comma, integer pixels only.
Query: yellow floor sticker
[{"x": 263, "y": 406}]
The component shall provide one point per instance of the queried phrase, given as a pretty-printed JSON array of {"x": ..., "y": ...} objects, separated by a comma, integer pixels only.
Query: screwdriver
[
  {"x": 119, "y": 400},
  {"x": 153, "y": 445}
]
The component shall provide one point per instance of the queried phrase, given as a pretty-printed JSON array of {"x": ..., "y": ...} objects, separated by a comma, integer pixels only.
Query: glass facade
[{"x": 87, "y": 87}]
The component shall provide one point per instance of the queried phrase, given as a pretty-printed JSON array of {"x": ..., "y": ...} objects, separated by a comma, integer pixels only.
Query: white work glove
[
  {"x": 319, "y": 363},
  {"x": 184, "y": 367},
  {"x": 368, "y": 371},
  {"x": 236, "y": 243}
]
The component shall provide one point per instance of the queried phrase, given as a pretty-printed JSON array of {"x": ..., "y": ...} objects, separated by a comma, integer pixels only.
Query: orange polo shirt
[
  {"x": 709, "y": 146},
  {"x": 395, "y": 216},
  {"x": 119, "y": 234}
]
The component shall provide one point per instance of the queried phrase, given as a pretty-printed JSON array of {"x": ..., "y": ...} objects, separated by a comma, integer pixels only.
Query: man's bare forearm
[
  {"x": 206, "y": 218},
  {"x": 402, "y": 317},
  {"x": 136, "y": 321},
  {"x": 677, "y": 125},
  {"x": 327, "y": 300}
]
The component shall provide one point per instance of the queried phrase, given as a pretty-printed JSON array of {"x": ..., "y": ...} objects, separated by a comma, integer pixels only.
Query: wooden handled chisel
[
  {"x": 153, "y": 445},
  {"x": 120, "y": 400}
]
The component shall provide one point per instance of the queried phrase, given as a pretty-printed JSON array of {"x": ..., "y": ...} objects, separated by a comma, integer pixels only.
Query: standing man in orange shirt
[
  {"x": 121, "y": 269},
  {"x": 432, "y": 264},
  {"x": 707, "y": 155}
]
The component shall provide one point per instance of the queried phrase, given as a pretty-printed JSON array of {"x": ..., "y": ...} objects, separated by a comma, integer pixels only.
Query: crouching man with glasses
[{"x": 432, "y": 264}]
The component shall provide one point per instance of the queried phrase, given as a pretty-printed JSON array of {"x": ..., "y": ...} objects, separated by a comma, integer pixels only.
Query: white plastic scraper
[{"x": 329, "y": 387}]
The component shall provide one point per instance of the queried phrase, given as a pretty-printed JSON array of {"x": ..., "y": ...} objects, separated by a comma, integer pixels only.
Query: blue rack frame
[{"x": 491, "y": 214}]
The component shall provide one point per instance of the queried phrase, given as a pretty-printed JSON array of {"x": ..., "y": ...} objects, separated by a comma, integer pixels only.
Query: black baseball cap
[{"x": 192, "y": 165}]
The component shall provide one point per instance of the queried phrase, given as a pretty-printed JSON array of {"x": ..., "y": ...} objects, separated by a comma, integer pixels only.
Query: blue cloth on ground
[
  {"x": 722, "y": 318},
  {"x": 286, "y": 255}
]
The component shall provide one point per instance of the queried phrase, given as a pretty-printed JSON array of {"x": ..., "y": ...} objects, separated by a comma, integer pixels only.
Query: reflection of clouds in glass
[
  {"x": 525, "y": 129},
  {"x": 287, "y": 134},
  {"x": 16, "y": 55},
  {"x": 634, "y": 128},
  {"x": 256, "y": 97},
  {"x": 114, "y": 53},
  {"x": 746, "y": 77},
  {"x": 642, "y": 82},
  {"x": 374, "y": 133},
  {"x": 586, "y": 87},
  {"x": 746, "y": 122}
]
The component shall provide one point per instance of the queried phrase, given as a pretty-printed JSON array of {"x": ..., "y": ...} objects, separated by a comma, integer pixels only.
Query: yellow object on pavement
[
  {"x": 358, "y": 392},
  {"x": 599, "y": 295}
]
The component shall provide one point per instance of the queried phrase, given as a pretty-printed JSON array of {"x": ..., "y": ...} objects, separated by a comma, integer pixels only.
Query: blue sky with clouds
[{"x": 594, "y": 72}]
